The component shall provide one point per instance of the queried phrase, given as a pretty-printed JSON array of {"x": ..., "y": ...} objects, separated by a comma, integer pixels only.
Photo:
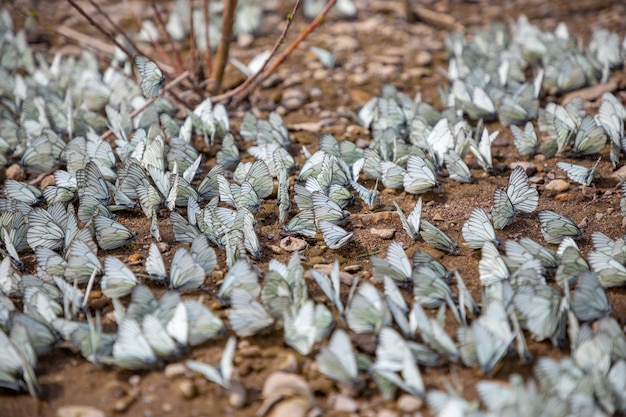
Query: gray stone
[{"x": 79, "y": 411}]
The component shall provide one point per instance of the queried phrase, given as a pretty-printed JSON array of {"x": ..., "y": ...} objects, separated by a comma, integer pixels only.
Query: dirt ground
[{"x": 377, "y": 47}]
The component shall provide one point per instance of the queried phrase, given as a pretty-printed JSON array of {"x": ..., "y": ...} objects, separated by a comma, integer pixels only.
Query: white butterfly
[
  {"x": 579, "y": 173},
  {"x": 240, "y": 275},
  {"x": 478, "y": 229},
  {"x": 525, "y": 140},
  {"x": 590, "y": 137},
  {"x": 131, "y": 349},
  {"x": 367, "y": 312},
  {"x": 111, "y": 234},
  {"x": 589, "y": 301},
  {"x": 221, "y": 374},
  {"x": 610, "y": 271},
  {"x": 486, "y": 342},
  {"x": 419, "y": 178},
  {"x": 411, "y": 224},
  {"x": 246, "y": 315},
  {"x": 396, "y": 265},
  {"x": 555, "y": 227},
  {"x": 330, "y": 285},
  {"x": 337, "y": 359},
  {"x": 185, "y": 273},
  {"x": 334, "y": 236},
  {"x": 437, "y": 238},
  {"x": 152, "y": 78},
  {"x": 519, "y": 196},
  {"x": 118, "y": 280}
]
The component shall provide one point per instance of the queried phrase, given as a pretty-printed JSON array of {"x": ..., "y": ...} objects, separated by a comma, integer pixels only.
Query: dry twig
[{"x": 221, "y": 57}]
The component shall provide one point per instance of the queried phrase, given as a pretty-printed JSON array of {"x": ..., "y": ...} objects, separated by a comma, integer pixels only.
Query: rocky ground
[{"x": 377, "y": 47}]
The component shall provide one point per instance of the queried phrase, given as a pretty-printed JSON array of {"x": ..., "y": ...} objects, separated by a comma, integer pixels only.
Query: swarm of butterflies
[{"x": 51, "y": 115}]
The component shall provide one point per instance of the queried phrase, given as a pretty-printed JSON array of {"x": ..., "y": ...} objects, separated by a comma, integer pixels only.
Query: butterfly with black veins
[
  {"x": 337, "y": 359},
  {"x": 437, "y": 238},
  {"x": 478, "y": 229},
  {"x": 334, "y": 236},
  {"x": 525, "y": 140},
  {"x": 118, "y": 280},
  {"x": 411, "y": 224},
  {"x": 396, "y": 265},
  {"x": 367, "y": 311},
  {"x": 519, "y": 196},
  {"x": 185, "y": 272},
  {"x": 152, "y": 78},
  {"x": 579, "y": 174},
  {"x": 222, "y": 373},
  {"x": 247, "y": 316},
  {"x": 487, "y": 340},
  {"x": 555, "y": 227},
  {"x": 111, "y": 234},
  {"x": 589, "y": 301}
]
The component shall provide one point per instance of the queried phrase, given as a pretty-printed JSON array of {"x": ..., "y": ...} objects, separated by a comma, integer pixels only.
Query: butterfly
[
  {"x": 221, "y": 374},
  {"x": 337, "y": 359},
  {"x": 555, "y": 227},
  {"x": 152, "y": 78},
  {"x": 334, "y": 236},
  {"x": 525, "y": 140},
  {"x": 367, "y": 311},
  {"x": 519, "y": 196},
  {"x": 411, "y": 224},
  {"x": 118, "y": 280},
  {"x": 478, "y": 229},
  {"x": 589, "y": 301},
  {"x": 437, "y": 238},
  {"x": 579, "y": 173}
]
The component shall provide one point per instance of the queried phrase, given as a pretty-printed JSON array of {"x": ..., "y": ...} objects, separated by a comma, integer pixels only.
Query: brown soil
[{"x": 68, "y": 379}]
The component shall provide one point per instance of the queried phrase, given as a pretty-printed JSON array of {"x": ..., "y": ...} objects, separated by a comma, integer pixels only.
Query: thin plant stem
[
  {"x": 205, "y": 17},
  {"x": 100, "y": 28},
  {"x": 117, "y": 28},
  {"x": 277, "y": 45},
  {"x": 162, "y": 53},
  {"x": 159, "y": 18},
  {"x": 221, "y": 57},
  {"x": 192, "y": 51},
  {"x": 243, "y": 91}
]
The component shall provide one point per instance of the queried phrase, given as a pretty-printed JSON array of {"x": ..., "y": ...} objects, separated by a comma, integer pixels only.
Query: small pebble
[
  {"x": 437, "y": 217},
  {"x": 134, "y": 380},
  {"x": 293, "y": 244},
  {"x": 343, "y": 403},
  {"x": 386, "y": 413},
  {"x": 237, "y": 395},
  {"x": 564, "y": 197},
  {"x": 163, "y": 247},
  {"x": 174, "y": 370},
  {"x": 557, "y": 186},
  {"x": 353, "y": 268},
  {"x": 287, "y": 363},
  {"x": 409, "y": 404},
  {"x": 123, "y": 404},
  {"x": 187, "y": 388},
  {"x": 15, "y": 172},
  {"x": 79, "y": 411},
  {"x": 49, "y": 180},
  {"x": 383, "y": 233},
  {"x": 529, "y": 167}
]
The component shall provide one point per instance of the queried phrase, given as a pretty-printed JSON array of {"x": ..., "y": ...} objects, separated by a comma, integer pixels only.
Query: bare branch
[
  {"x": 205, "y": 17},
  {"x": 277, "y": 45},
  {"x": 100, "y": 28},
  {"x": 161, "y": 22},
  {"x": 223, "y": 48}
]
